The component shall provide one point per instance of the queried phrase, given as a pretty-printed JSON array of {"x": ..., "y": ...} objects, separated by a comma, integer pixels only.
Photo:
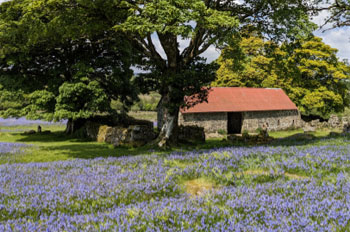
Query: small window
[{"x": 278, "y": 122}]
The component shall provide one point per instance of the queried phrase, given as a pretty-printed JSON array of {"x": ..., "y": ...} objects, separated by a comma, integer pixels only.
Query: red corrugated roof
[{"x": 236, "y": 99}]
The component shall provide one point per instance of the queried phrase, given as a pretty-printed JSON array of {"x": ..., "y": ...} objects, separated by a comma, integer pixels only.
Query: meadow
[{"x": 55, "y": 183}]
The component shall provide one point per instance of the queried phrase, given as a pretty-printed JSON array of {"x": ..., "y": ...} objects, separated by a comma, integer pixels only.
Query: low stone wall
[
  {"x": 211, "y": 122},
  {"x": 136, "y": 135},
  {"x": 133, "y": 135},
  {"x": 334, "y": 122},
  {"x": 273, "y": 120}
]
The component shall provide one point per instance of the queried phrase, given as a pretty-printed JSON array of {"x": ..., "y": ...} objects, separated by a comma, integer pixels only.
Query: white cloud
[
  {"x": 211, "y": 54},
  {"x": 337, "y": 38}
]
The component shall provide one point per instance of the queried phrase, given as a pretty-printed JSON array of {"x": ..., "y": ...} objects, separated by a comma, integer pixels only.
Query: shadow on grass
[
  {"x": 56, "y": 145},
  {"x": 308, "y": 139},
  {"x": 49, "y": 138},
  {"x": 59, "y": 143},
  {"x": 92, "y": 150}
]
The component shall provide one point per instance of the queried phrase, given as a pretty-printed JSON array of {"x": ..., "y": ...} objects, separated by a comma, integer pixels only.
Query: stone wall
[
  {"x": 334, "y": 122},
  {"x": 211, "y": 122},
  {"x": 214, "y": 122},
  {"x": 274, "y": 120}
]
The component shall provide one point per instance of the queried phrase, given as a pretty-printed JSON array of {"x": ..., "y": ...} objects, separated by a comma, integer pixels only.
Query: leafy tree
[
  {"x": 202, "y": 23},
  {"x": 180, "y": 72},
  {"x": 308, "y": 70},
  {"x": 62, "y": 59}
]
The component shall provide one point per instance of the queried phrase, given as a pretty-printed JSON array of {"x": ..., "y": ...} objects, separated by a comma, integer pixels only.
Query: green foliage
[
  {"x": 222, "y": 132},
  {"x": 307, "y": 70},
  {"x": 146, "y": 102},
  {"x": 90, "y": 97},
  {"x": 63, "y": 58},
  {"x": 204, "y": 24}
]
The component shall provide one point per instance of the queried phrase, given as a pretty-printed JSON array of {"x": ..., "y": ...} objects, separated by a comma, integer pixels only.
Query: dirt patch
[
  {"x": 265, "y": 173},
  {"x": 198, "y": 187}
]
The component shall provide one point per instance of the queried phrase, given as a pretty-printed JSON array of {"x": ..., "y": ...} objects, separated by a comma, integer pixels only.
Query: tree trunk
[
  {"x": 168, "y": 134},
  {"x": 74, "y": 125},
  {"x": 69, "y": 127}
]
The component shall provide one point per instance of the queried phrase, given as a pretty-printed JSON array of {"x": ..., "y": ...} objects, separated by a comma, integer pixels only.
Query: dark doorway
[{"x": 234, "y": 123}]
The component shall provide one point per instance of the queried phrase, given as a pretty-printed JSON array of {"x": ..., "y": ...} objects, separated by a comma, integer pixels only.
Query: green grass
[
  {"x": 288, "y": 133},
  {"x": 53, "y": 128},
  {"x": 58, "y": 146},
  {"x": 144, "y": 115}
]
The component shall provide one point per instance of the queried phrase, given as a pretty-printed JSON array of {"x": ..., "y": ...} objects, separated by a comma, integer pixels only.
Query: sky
[{"x": 336, "y": 38}]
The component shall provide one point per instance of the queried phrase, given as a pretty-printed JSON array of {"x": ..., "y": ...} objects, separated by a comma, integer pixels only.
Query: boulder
[
  {"x": 135, "y": 135},
  {"x": 103, "y": 133}
]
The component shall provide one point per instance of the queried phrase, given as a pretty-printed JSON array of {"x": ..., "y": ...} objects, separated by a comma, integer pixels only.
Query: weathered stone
[
  {"x": 211, "y": 122},
  {"x": 103, "y": 133},
  {"x": 135, "y": 135},
  {"x": 334, "y": 121},
  {"x": 251, "y": 121},
  {"x": 193, "y": 134},
  {"x": 315, "y": 123},
  {"x": 308, "y": 128}
]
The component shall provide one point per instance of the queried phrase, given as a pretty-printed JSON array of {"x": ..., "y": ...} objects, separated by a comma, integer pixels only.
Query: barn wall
[
  {"x": 276, "y": 120},
  {"x": 211, "y": 122}
]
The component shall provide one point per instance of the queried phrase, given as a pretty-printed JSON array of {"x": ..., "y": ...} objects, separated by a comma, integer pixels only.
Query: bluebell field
[
  {"x": 307, "y": 189},
  {"x": 12, "y": 148},
  {"x": 13, "y": 122}
]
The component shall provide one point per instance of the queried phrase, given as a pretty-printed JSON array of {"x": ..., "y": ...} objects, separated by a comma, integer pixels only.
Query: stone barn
[{"x": 235, "y": 110}]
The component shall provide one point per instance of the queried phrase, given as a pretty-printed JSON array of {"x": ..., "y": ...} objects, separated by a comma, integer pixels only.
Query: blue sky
[{"x": 336, "y": 38}]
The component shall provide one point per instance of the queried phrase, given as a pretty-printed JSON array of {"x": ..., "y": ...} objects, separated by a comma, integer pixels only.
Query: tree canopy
[
  {"x": 308, "y": 70},
  {"x": 62, "y": 59},
  {"x": 57, "y": 49},
  {"x": 200, "y": 24}
]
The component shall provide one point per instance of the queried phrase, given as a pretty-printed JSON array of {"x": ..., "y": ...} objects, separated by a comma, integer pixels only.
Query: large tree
[
  {"x": 201, "y": 24},
  {"x": 307, "y": 69},
  {"x": 62, "y": 59},
  {"x": 180, "y": 71}
]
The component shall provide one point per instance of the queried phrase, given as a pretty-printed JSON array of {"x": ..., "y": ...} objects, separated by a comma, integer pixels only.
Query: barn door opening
[{"x": 234, "y": 123}]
